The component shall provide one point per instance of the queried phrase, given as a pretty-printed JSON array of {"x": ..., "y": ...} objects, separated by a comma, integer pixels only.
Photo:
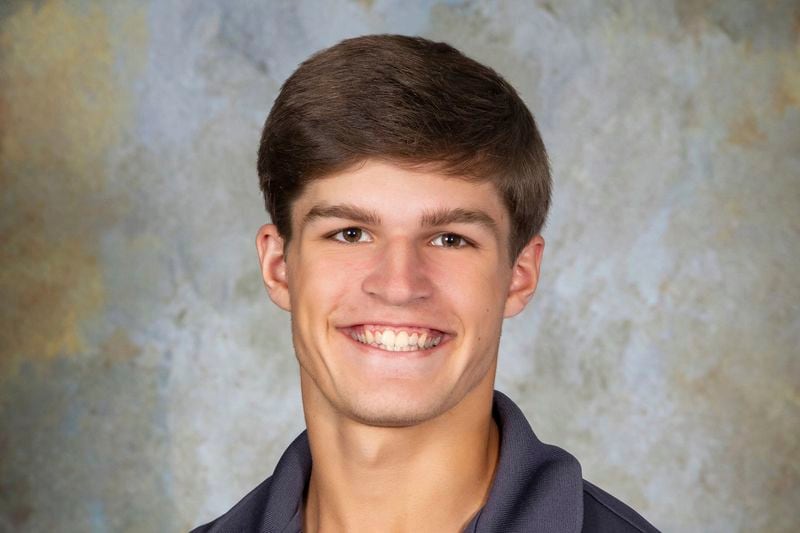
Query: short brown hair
[{"x": 412, "y": 102}]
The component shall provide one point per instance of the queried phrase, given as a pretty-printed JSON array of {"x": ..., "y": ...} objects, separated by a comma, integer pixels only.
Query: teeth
[
  {"x": 388, "y": 338},
  {"x": 401, "y": 341},
  {"x": 396, "y": 341}
]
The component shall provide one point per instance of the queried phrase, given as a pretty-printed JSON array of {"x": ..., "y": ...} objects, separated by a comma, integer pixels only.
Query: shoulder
[
  {"x": 604, "y": 513},
  {"x": 273, "y": 505},
  {"x": 244, "y": 516}
]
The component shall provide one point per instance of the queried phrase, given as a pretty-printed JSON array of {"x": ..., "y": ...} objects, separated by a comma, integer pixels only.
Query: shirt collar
[{"x": 537, "y": 487}]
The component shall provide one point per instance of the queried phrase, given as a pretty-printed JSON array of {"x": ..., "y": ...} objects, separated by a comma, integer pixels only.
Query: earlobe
[
  {"x": 271, "y": 258},
  {"x": 524, "y": 277}
]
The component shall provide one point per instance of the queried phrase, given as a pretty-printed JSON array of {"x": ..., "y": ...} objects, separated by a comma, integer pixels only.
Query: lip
[{"x": 396, "y": 325}]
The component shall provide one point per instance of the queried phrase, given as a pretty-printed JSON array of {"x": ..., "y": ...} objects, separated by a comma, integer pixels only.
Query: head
[
  {"x": 412, "y": 102},
  {"x": 407, "y": 186}
]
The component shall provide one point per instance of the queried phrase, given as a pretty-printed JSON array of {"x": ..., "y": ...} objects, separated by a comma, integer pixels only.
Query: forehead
[{"x": 401, "y": 195}]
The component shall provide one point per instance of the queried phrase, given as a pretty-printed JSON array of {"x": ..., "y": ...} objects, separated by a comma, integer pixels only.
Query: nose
[{"x": 399, "y": 276}]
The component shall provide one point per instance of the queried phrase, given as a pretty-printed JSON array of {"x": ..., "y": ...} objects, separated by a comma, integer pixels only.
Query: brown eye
[
  {"x": 450, "y": 240},
  {"x": 351, "y": 235}
]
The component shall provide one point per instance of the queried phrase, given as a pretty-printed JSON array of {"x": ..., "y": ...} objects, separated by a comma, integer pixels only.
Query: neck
[{"x": 434, "y": 476}]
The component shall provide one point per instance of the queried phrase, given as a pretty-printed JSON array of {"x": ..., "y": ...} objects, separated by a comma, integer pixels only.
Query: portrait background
[{"x": 146, "y": 381}]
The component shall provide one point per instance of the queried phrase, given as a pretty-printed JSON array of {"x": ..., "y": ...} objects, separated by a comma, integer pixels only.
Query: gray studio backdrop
[{"x": 147, "y": 383}]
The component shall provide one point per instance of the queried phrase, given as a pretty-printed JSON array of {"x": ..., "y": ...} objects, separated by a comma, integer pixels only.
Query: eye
[
  {"x": 450, "y": 240},
  {"x": 351, "y": 235}
]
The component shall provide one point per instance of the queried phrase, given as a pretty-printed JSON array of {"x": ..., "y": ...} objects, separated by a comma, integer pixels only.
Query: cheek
[
  {"x": 481, "y": 301},
  {"x": 319, "y": 287},
  {"x": 478, "y": 285}
]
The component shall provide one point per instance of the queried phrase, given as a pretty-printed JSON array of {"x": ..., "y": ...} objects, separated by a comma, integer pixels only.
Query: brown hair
[{"x": 410, "y": 101}]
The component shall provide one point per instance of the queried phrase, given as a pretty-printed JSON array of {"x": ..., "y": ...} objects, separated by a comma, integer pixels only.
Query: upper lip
[{"x": 396, "y": 325}]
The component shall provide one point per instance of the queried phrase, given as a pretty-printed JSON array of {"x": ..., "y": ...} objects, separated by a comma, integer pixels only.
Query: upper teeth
[{"x": 397, "y": 341}]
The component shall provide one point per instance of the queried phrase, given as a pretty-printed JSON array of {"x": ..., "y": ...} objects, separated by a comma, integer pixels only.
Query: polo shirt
[{"x": 537, "y": 488}]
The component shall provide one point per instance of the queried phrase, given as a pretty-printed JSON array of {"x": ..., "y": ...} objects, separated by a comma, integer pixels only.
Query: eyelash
[
  {"x": 463, "y": 240},
  {"x": 338, "y": 232},
  {"x": 466, "y": 242}
]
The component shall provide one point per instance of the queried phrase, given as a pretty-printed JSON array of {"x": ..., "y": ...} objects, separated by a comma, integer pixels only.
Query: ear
[
  {"x": 272, "y": 260},
  {"x": 524, "y": 277}
]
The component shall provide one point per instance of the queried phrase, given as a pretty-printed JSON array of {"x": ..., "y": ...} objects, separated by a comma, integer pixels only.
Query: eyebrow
[
  {"x": 430, "y": 218},
  {"x": 346, "y": 211},
  {"x": 459, "y": 215}
]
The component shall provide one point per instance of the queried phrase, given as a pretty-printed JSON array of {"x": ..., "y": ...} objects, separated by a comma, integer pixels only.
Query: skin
[{"x": 400, "y": 441}]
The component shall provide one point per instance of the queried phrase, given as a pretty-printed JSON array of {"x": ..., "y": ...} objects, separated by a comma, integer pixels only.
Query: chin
[{"x": 388, "y": 408}]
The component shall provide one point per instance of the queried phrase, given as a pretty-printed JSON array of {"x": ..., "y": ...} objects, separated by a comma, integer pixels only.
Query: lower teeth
[{"x": 398, "y": 349}]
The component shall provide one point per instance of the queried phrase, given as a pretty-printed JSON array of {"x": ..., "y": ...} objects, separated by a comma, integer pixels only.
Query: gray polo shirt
[{"x": 537, "y": 488}]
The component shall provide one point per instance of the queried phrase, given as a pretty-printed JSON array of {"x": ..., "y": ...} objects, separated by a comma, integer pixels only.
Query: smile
[{"x": 396, "y": 339}]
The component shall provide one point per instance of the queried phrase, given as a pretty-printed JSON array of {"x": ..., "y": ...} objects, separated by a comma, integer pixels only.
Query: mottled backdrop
[{"x": 146, "y": 382}]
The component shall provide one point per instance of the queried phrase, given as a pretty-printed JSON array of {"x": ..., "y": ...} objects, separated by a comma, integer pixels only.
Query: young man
[{"x": 408, "y": 186}]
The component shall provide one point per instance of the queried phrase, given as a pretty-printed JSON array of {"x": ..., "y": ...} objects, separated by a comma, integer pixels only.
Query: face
[{"x": 397, "y": 282}]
